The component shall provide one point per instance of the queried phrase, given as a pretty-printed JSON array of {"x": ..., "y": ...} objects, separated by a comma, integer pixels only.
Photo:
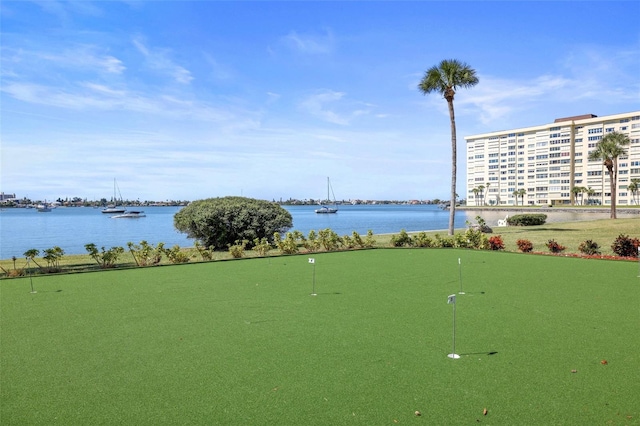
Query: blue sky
[{"x": 189, "y": 100}]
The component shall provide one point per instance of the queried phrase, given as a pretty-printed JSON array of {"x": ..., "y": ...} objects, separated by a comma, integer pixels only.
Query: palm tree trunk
[
  {"x": 454, "y": 154},
  {"x": 612, "y": 185}
]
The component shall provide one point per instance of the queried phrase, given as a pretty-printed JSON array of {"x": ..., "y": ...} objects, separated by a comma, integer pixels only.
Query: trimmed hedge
[{"x": 527, "y": 219}]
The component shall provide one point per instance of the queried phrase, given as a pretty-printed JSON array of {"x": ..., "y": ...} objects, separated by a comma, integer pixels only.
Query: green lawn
[{"x": 244, "y": 343}]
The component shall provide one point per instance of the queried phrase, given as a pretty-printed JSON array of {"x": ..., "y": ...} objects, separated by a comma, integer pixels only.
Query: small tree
[
  {"x": 104, "y": 258},
  {"x": 146, "y": 254},
  {"x": 31, "y": 255},
  {"x": 52, "y": 256},
  {"x": 634, "y": 187},
  {"x": 261, "y": 246},
  {"x": 220, "y": 222}
]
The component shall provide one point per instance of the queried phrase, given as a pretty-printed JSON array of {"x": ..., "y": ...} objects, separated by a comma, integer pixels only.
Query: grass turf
[{"x": 243, "y": 342}]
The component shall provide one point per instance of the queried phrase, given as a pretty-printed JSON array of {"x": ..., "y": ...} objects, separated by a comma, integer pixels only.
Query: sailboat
[
  {"x": 115, "y": 208},
  {"x": 44, "y": 208},
  {"x": 326, "y": 209}
]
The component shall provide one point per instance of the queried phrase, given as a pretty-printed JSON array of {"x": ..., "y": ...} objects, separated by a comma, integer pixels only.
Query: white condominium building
[{"x": 542, "y": 165}]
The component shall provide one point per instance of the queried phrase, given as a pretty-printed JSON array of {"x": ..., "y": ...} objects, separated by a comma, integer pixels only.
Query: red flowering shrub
[
  {"x": 625, "y": 246},
  {"x": 496, "y": 243},
  {"x": 555, "y": 247},
  {"x": 524, "y": 246}
]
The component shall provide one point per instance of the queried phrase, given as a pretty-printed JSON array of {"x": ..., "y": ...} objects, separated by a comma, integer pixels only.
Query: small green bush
[
  {"x": 473, "y": 238},
  {"x": 176, "y": 255},
  {"x": 237, "y": 249},
  {"x": 312, "y": 244},
  {"x": 527, "y": 219},
  {"x": 206, "y": 253},
  {"x": 329, "y": 239},
  {"x": 104, "y": 258},
  {"x": 589, "y": 247},
  {"x": 401, "y": 240},
  {"x": 261, "y": 246},
  {"x": 288, "y": 245},
  {"x": 369, "y": 240},
  {"x": 347, "y": 242},
  {"x": 421, "y": 239},
  {"x": 442, "y": 242},
  {"x": 146, "y": 254},
  {"x": 357, "y": 240}
]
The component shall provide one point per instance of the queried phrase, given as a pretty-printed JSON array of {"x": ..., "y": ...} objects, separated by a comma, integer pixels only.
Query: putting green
[{"x": 243, "y": 342}]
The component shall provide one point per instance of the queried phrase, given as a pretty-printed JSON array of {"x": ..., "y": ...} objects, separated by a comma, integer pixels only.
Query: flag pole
[
  {"x": 460, "y": 275},
  {"x": 30, "y": 277},
  {"x": 452, "y": 301},
  {"x": 313, "y": 285}
]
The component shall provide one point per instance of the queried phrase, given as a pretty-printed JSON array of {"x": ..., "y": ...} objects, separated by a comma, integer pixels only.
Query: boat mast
[{"x": 328, "y": 186}]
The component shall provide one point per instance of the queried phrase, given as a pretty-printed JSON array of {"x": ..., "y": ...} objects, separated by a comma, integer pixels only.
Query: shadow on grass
[
  {"x": 481, "y": 353},
  {"x": 553, "y": 229}
]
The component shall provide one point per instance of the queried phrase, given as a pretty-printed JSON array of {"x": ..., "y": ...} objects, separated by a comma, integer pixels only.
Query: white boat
[
  {"x": 44, "y": 208},
  {"x": 114, "y": 208},
  {"x": 324, "y": 209},
  {"x": 131, "y": 214}
]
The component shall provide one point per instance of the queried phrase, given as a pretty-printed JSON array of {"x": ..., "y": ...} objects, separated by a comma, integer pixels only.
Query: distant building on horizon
[
  {"x": 549, "y": 160},
  {"x": 7, "y": 197}
]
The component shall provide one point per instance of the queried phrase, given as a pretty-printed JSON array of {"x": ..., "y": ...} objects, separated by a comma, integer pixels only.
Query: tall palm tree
[
  {"x": 634, "y": 187},
  {"x": 475, "y": 195},
  {"x": 484, "y": 200},
  {"x": 521, "y": 193},
  {"x": 584, "y": 191},
  {"x": 590, "y": 193},
  {"x": 481, "y": 191},
  {"x": 608, "y": 150},
  {"x": 516, "y": 194},
  {"x": 575, "y": 191},
  {"x": 445, "y": 78}
]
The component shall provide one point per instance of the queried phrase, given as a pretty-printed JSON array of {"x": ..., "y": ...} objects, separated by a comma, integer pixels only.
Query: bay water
[{"x": 72, "y": 227}]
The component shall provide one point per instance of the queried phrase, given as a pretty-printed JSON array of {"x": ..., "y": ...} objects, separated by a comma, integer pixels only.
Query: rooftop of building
[{"x": 575, "y": 117}]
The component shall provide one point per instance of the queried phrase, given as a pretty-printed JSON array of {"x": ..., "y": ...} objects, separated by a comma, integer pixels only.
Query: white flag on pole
[
  {"x": 312, "y": 260},
  {"x": 451, "y": 300}
]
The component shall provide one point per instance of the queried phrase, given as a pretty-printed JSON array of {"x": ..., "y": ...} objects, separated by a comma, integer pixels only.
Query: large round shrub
[
  {"x": 217, "y": 222},
  {"x": 527, "y": 219}
]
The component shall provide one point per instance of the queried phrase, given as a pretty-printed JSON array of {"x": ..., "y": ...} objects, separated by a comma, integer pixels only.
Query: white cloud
[
  {"x": 310, "y": 43},
  {"x": 333, "y": 107},
  {"x": 160, "y": 61},
  {"x": 316, "y": 106},
  {"x": 273, "y": 97},
  {"x": 74, "y": 58},
  {"x": 90, "y": 96}
]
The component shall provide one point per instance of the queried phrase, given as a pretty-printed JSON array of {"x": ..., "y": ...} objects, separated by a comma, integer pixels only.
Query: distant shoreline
[{"x": 624, "y": 210}]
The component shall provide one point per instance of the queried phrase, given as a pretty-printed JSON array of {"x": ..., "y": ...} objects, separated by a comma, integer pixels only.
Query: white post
[
  {"x": 452, "y": 301},
  {"x": 313, "y": 285},
  {"x": 460, "y": 275},
  {"x": 30, "y": 278}
]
